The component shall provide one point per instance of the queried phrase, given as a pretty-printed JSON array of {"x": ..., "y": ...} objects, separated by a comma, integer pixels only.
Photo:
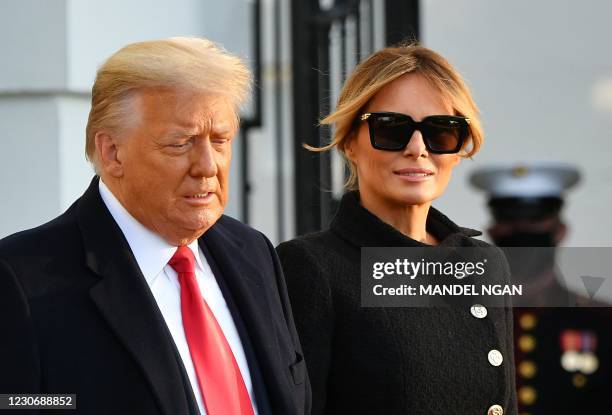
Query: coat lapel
[
  {"x": 124, "y": 299},
  {"x": 247, "y": 286}
]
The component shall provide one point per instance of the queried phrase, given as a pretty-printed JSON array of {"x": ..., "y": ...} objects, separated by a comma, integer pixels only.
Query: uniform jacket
[
  {"x": 77, "y": 317},
  {"x": 547, "y": 381},
  {"x": 391, "y": 360}
]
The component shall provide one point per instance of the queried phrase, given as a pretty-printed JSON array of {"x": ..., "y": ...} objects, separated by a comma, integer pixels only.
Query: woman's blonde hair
[
  {"x": 190, "y": 63},
  {"x": 382, "y": 68}
]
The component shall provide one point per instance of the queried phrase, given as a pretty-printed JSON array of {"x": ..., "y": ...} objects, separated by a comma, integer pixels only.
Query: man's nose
[
  {"x": 203, "y": 162},
  {"x": 416, "y": 145}
]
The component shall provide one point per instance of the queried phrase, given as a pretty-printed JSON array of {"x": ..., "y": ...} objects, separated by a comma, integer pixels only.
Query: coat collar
[
  {"x": 371, "y": 231},
  {"x": 125, "y": 301},
  {"x": 246, "y": 285}
]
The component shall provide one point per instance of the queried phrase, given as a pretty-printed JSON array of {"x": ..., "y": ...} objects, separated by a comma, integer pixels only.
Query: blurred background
[{"x": 541, "y": 73}]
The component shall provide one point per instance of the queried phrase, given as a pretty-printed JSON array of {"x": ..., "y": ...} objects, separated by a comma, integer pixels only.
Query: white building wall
[
  {"x": 540, "y": 72},
  {"x": 33, "y": 46},
  {"x": 32, "y": 71},
  {"x": 29, "y": 178}
]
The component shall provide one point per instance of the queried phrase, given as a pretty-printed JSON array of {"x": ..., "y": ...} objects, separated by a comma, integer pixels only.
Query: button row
[{"x": 495, "y": 357}]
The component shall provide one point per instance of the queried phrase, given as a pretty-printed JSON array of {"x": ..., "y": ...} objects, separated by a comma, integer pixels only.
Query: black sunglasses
[{"x": 442, "y": 134}]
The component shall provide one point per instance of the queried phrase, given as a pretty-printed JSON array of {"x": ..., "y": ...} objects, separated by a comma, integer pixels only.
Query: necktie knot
[{"x": 183, "y": 260}]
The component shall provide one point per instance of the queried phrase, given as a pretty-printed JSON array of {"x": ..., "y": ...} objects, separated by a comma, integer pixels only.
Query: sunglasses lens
[
  {"x": 444, "y": 134},
  {"x": 390, "y": 132}
]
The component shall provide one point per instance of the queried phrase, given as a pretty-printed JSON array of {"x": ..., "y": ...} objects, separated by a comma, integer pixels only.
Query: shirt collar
[{"x": 151, "y": 251}]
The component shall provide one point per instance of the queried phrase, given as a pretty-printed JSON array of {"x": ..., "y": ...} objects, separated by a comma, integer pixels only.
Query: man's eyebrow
[
  {"x": 181, "y": 132},
  {"x": 224, "y": 128},
  {"x": 188, "y": 131}
]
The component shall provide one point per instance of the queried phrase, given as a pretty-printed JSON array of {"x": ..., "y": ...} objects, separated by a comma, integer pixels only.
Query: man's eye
[{"x": 183, "y": 143}]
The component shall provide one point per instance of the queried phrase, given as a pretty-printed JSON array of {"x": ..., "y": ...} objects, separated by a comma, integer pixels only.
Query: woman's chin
[{"x": 413, "y": 199}]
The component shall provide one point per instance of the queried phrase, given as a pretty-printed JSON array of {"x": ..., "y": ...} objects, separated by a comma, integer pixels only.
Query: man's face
[
  {"x": 175, "y": 162},
  {"x": 548, "y": 231}
]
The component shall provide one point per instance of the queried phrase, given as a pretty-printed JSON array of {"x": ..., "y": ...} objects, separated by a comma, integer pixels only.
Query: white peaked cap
[{"x": 535, "y": 179}]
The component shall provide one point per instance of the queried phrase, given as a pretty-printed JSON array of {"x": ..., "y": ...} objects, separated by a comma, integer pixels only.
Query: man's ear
[{"x": 107, "y": 151}]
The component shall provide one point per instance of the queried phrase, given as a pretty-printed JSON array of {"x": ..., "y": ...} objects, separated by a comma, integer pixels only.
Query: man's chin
[
  {"x": 201, "y": 222},
  {"x": 186, "y": 237}
]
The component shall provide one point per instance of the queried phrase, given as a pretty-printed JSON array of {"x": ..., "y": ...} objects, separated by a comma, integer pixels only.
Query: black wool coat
[{"x": 392, "y": 360}]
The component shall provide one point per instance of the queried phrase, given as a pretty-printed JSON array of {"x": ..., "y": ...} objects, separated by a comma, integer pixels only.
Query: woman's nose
[{"x": 416, "y": 146}]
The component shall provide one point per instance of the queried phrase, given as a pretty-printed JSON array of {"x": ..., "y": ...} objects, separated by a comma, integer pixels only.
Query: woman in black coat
[{"x": 404, "y": 119}]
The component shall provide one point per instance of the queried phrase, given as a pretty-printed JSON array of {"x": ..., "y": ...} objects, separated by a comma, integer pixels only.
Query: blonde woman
[{"x": 403, "y": 121}]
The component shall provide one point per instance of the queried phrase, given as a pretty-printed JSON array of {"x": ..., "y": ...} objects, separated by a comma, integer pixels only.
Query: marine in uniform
[{"x": 563, "y": 355}]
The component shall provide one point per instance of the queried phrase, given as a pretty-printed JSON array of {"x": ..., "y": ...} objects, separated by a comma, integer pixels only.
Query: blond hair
[
  {"x": 382, "y": 68},
  {"x": 182, "y": 62}
]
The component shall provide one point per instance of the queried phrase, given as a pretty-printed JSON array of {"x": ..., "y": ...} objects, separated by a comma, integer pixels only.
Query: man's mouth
[{"x": 199, "y": 195}]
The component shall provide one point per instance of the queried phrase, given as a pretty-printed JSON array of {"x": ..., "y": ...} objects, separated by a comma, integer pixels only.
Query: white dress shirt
[{"x": 152, "y": 254}]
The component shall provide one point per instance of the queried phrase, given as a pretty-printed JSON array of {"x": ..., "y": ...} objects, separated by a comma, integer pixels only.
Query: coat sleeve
[
  {"x": 20, "y": 369},
  {"x": 311, "y": 299},
  {"x": 289, "y": 318}
]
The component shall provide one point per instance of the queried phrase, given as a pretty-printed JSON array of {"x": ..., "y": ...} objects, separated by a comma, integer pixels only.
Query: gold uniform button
[
  {"x": 528, "y": 321},
  {"x": 579, "y": 380},
  {"x": 527, "y": 369},
  {"x": 526, "y": 343},
  {"x": 527, "y": 395},
  {"x": 495, "y": 410}
]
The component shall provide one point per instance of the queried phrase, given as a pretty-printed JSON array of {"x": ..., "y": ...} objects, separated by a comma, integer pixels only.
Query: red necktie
[{"x": 219, "y": 378}]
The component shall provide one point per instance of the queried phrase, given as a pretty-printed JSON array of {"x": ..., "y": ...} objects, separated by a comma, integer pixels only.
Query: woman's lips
[{"x": 414, "y": 174}]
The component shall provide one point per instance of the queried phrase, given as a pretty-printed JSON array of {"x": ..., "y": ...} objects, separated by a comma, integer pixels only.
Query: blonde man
[{"x": 143, "y": 298}]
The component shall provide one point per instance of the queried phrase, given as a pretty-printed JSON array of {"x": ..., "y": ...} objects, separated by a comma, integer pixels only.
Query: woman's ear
[
  {"x": 349, "y": 146},
  {"x": 457, "y": 160}
]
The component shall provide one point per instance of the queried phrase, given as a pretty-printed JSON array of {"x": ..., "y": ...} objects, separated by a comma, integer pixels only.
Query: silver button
[
  {"x": 495, "y": 357},
  {"x": 495, "y": 410},
  {"x": 478, "y": 311}
]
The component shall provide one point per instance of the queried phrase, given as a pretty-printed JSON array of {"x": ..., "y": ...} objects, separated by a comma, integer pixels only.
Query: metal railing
[{"x": 328, "y": 39}]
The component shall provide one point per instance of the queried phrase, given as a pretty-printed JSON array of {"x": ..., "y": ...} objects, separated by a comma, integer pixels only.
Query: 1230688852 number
[{"x": 37, "y": 401}]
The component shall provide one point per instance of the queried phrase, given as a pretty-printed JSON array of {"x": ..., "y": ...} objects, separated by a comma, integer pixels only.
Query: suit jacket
[
  {"x": 77, "y": 317},
  {"x": 393, "y": 360}
]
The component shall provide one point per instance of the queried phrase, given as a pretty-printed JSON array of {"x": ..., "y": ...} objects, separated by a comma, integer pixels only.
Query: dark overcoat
[{"x": 392, "y": 360}]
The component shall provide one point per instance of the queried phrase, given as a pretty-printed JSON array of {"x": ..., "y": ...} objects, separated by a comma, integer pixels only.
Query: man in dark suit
[
  {"x": 143, "y": 298},
  {"x": 563, "y": 345}
]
